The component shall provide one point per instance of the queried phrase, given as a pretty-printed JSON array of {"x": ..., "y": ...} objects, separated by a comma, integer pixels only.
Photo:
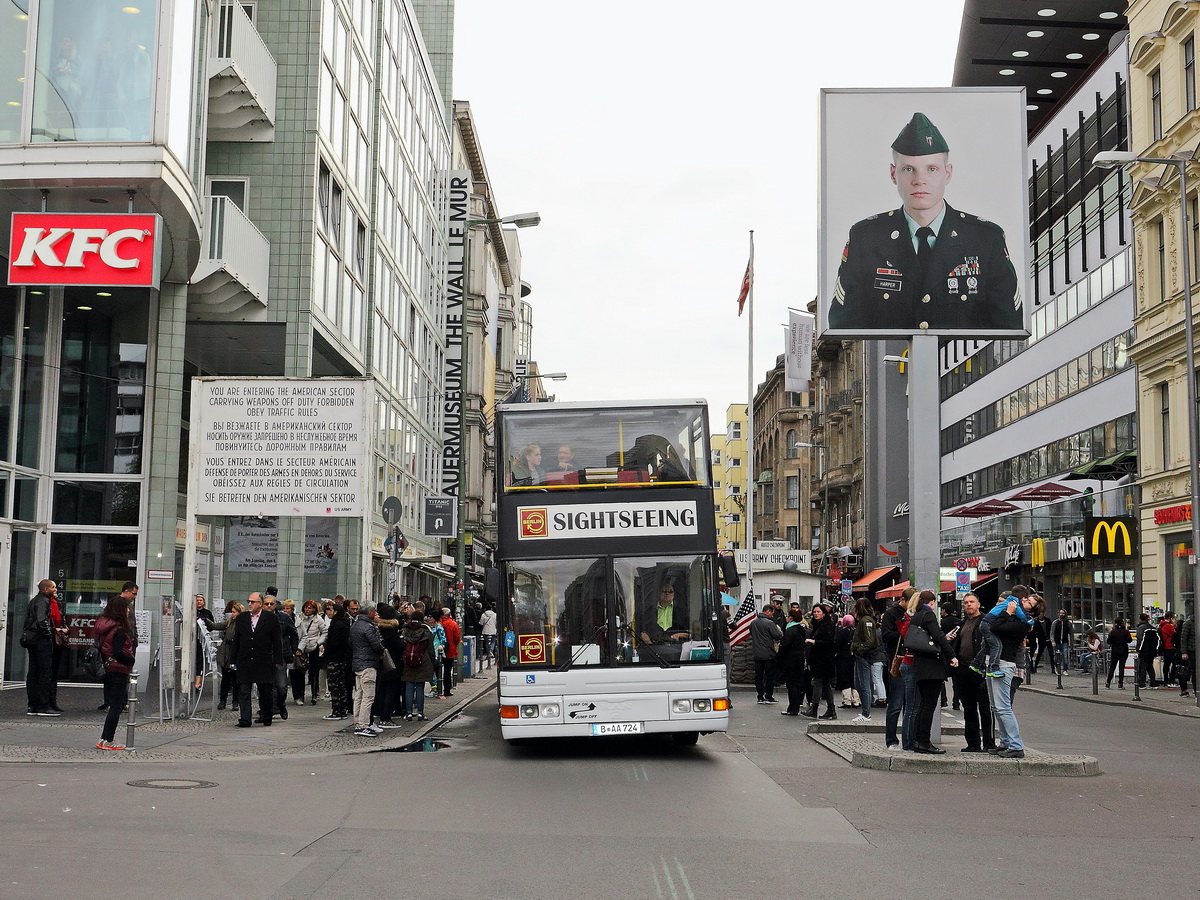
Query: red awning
[
  {"x": 864, "y": 583},
  {"x": 1044, "y": 492},
  {"x": 947, "y": 587}
]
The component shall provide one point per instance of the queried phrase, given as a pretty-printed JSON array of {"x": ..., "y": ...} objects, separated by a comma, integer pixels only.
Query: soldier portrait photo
[{"x": 924, "y": 266}]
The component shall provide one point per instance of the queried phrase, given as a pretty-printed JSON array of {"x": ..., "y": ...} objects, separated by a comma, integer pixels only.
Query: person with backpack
[
  {"x": 1147, "y": 647},
  {"x": 864, "y": 646},
  {"x": 418, "y": 668},
  {"x": 116, "y": 650}
]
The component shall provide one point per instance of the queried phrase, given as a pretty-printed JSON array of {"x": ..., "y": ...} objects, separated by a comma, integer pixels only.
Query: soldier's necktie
[{"x": 924, "y": 251}]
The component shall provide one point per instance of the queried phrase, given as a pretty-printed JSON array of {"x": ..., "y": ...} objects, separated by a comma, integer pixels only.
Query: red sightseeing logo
[
  {"x": 534, "y": 523},
  {"x": 84, "y": 248}
]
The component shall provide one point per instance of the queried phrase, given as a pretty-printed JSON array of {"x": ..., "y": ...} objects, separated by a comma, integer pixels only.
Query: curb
[
  {"x": 851, "y": 743},
  {"x": 1191, "y": 712}
]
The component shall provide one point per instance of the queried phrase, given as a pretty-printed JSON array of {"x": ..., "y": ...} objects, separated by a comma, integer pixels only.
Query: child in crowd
[{"x": 987, "y": 660}]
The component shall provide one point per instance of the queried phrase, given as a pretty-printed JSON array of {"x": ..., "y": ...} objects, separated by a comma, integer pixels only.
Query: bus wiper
[
  {"x": 627, "y": 631},
  {"x": 566, "y": 666},
  {"x": 661, "y": 662}
]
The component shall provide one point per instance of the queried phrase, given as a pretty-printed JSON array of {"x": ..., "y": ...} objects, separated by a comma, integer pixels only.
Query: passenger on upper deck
[{"x": 527, "y": 467}]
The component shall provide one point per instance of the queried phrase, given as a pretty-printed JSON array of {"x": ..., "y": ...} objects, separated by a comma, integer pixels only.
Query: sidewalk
[
  {"x": 1078, "y": 686},
  {"x": 72, "y": 737}
]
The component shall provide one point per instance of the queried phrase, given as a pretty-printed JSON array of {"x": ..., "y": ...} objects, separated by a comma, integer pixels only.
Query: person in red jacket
[
  {"x": 453, "y": 640},
  {"x": 1166, "y": 630},
  {"x": 116, "y": 649}
]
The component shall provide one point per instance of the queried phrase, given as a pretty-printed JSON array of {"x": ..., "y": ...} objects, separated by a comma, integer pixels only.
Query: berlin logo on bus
[
  {"x": 531, "y": 648},
  {"x": 534, "y": 523}
]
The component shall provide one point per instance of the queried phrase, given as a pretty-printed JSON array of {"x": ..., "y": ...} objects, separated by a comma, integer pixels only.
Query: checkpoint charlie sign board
[{"x": 280, "y": 446}]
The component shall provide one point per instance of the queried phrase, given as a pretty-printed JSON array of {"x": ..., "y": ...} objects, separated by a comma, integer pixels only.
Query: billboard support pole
[
  {"x": 187, "y": 588},
  {"x": 924, "y": 467}
]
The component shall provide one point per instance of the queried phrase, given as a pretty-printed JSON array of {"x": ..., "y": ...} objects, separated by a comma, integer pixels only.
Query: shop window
[{"x": 95, "y": 71}]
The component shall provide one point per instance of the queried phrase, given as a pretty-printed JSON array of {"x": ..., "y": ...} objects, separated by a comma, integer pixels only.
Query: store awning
[
  {"x": 874, "y": 576},
  {"x": 1044, "y": 493},
  {"x": 947, "y": 587},
  {"x": 1109, "y": 468}
]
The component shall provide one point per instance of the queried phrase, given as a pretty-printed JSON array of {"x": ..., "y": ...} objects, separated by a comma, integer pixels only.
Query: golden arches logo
[
  {"x": 1112, "y": 528},
  {"x": 1037, "y": 553}
]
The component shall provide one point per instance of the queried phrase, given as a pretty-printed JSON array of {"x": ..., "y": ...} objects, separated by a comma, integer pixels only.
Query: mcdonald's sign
[
  {"x": 1113, "y": 537},
  {"x": 1037, "y": 553}
]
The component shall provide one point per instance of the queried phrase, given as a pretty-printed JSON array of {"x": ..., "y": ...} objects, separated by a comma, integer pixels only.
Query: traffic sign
[{"x": 847, "y": 586}]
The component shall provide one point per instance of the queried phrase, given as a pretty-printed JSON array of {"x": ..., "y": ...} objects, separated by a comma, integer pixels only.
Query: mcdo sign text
[{"x": 109, "y": 250}]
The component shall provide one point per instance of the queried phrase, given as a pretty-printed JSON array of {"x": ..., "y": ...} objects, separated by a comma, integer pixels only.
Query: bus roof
[{"x": 603, "y": 404}]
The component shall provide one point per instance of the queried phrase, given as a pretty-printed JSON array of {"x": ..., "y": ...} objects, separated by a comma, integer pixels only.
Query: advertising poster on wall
[
  {"x": 253, "y": 544},
  {"x": 320, "y": 546},
  {"x": 924, "y": 213}
]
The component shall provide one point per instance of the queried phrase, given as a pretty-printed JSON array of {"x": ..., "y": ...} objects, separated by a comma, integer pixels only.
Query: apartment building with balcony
[
  {"x": 287, "y": 159},
  {"x": 731, "y": 508}
]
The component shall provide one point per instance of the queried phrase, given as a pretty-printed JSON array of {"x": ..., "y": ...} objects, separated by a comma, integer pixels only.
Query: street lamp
[
  {"x": 521, "y": 220},
  {"x": 1111, "y": 159}
]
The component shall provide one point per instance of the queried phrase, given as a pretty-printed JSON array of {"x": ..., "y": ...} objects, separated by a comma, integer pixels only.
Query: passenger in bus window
[
  {"x": 566, "y": 458},
  {"x": 527, "y": 467},
  {"x": 667, "y": 620}
]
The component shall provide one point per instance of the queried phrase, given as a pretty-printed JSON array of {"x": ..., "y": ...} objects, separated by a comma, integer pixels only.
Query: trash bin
[{"x": 467, "y": 655}]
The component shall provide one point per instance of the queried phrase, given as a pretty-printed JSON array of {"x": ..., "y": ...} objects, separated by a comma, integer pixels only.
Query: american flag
[
  {"x": 747, "y": 281},
  {"x": 741, "y": 622}
]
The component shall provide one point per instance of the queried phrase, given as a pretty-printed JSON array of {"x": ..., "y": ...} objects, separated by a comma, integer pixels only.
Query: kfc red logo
[{"x": 84, "y": 248}]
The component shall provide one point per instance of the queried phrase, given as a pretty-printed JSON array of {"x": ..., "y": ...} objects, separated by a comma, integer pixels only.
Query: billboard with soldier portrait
[{"x": 924, "y": 213}]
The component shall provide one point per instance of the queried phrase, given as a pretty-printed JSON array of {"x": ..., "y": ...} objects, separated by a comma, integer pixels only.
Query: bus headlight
[
  {"x": 529, "y": 712},
  {"x": 701, "y": 705},
  {"x": 681, "y": 706},
  {"x": 550, "y": 710}
]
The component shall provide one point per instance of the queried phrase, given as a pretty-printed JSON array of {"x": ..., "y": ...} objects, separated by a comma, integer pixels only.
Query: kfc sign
[{"x": 84, "y": 248}]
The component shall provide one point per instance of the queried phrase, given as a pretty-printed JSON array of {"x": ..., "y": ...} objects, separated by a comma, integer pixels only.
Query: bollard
[{"x": 131, "y": 722}]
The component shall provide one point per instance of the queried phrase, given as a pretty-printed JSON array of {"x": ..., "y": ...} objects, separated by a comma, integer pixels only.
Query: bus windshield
[
  {"x": 604, "y": 448},
  {"x": 606, "y": 611}
]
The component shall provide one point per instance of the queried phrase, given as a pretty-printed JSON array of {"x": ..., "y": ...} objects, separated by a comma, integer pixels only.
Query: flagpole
[{"x": 750, "y": 429}]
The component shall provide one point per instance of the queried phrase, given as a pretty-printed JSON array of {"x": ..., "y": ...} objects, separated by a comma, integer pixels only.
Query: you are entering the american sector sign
[{"x": 280, "y": 446}]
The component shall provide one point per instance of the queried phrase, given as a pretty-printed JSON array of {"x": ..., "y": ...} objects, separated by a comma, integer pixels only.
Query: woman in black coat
[
  {"x": 820, "y": 662},
  {"x": 791, "y": 661},
  {"x": 929, "y": 670},
  {"x": 1119, "y": 640}
]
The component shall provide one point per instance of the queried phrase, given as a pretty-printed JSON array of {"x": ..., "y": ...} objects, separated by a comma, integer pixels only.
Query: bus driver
[{"x": 666, "y": 621}]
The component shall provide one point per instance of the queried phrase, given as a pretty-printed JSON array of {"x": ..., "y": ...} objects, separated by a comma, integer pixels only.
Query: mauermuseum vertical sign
[
  {"x": 280, "y": 446},
  {"x": 458, "y": 199}
]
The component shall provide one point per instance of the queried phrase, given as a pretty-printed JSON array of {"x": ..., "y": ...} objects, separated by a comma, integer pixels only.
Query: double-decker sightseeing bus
[{"x": 606, "y": 586}]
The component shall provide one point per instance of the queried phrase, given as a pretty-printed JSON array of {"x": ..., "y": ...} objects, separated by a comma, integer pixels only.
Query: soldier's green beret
[{"x": 919, "y": 137}]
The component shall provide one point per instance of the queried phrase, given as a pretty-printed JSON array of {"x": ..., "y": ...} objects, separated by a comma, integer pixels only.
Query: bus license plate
[{"x": 617, "y": 728}]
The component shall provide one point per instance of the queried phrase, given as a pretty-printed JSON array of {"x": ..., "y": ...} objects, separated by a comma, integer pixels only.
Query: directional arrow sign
[{"x": 439, "y": 517}]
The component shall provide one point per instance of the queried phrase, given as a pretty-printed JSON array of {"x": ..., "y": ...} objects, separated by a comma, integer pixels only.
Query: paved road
[{"x": 761, "y": 812}]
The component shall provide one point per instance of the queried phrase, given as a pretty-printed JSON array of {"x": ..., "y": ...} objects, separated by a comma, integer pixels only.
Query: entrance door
[{"x": 11, "y": 616}]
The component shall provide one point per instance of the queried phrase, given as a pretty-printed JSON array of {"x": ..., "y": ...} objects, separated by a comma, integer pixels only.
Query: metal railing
[{"x": 236, "y": 42}]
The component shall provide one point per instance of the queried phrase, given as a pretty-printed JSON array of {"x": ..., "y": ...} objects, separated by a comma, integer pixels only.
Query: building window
[
  {"x": 793, "y": 535},
  {"x": 735, "y": 489},
  {"x": 793, "y": 444},
  {"x": 1164, "y": 422},
  {"x": 1189, "y": 73},
  {"x": 1156, "y": 120},
  {"x": 95, "y": 71},
  {"x": 793, "y": 492},
  {"x": 735, "y": 431},
  {"x": 1160, "y": 270},
  {"x": 735, "y": 463}
]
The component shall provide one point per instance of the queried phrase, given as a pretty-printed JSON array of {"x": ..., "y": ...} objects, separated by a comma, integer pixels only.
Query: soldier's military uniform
[
  {"x": 966, "y": 283},
  {"x": 969, "y": 282}
]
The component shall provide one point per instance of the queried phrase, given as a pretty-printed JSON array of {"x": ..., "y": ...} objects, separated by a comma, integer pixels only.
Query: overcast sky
[{"x": 652, "y": 136}]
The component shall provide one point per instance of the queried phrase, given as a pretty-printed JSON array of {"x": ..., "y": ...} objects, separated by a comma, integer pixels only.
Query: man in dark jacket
[
  {"x": 1148, "y": 645},
  {"x": 290, "y": 639},
  {"x": 889, "y": 638},
  {"x": 1060, "y": 643},
  {"x": 1185, "y": 640},
  {"x": 258, "y": 654},
  {"x": 39, "y": 675},
  {"x": 969, "y": 686},
  {"x": 366, "y": 647},
  {"x": 763, "y": 635}
]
